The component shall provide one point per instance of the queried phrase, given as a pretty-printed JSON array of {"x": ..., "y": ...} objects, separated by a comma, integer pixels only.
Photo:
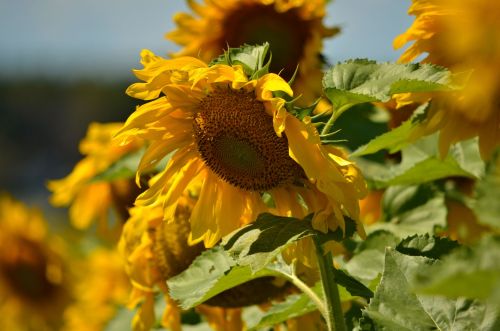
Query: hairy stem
[{"x": 334, "y": 315}]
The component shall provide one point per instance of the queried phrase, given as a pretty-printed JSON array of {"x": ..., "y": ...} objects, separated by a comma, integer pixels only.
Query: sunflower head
[
  {"x": 154, "y": 251},
  {"x": 236, "y": 140},
  {"x": 294, "y": 30},
  {"x": 465, "y": 37},
  {"x": 228, "y": 126},
  {"x": 33, "y": 273}
]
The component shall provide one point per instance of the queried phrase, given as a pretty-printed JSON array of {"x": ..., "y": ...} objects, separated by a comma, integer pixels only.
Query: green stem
[
  {"x": 307, "y": 291},
  {"x": 335, "y": 316},
  {"x": 333, "y": 118}
]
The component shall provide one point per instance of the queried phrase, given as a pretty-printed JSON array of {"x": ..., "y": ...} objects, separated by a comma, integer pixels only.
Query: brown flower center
[
  {"x": 172, "y": 253},
  {"x": 236, "y": 139},
  {"x": 286, "y": 32},
  {"x": 23, "y": 266}
]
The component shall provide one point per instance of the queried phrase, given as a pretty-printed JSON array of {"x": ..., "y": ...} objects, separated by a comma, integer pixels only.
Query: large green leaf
[
  {"x": 294, "y": 306},
  {"x": 260, "y": 242},
  {"x": 421, "y": 163},
  {"x": 368, "y": 261},
  {"x": 252, "y": 252},
  {"x": 361, "y": 80},
  {"x": 211, "y": 273},
  {"x": 409, "y": 210},
  {"x": 397, "y": 138},
  {"x": 471, "y": 273},
  {"x": 396, "y": 306}
]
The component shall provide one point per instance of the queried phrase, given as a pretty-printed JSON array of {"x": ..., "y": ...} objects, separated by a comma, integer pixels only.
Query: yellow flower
[
  {"x": 89, "y": 200},
  {"x": 236, "y": 138},
  {"x": 461, "y": 35},
  {"x": 101, "y": 289},
  {"x": 155, "y": 251},
  {"x": 294, "y": 30},
  {"x": 34, "y": 277}
]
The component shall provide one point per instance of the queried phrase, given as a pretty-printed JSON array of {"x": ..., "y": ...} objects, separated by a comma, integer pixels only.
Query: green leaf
[
  {"x": 250, "y": 57},
  {"x": 126, "y": 167},
  {"x": 214, "y": 272},
  {"x": 211, "y": 273},
  {"x": 368, "y": 261},
  {"x": 395, "y": 139},
  {"x": 361, "y": 80},
  {"x": 421, "y": 163},
  {"x": 471, "y": 273},
  {"x": 123, "y": 168},
  {"x": 258, "y": 243},
  {"x": 352, "y": 285},
  {"x": 427, "y": 245},
  {"x": 409, "y": 210},
  {"x": 487, "y": 206},
  {"x": 294, "y": 306},
  {"x": 396, "y": 307}
]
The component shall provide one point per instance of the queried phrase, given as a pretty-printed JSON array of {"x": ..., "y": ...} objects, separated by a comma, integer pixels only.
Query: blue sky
[{"x": 101, "y": 39}]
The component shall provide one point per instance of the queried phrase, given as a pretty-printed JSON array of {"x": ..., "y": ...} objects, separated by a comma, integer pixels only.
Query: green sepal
[
  {"x": 300, "y": 112},
  {"x": 250, "y": 57}
]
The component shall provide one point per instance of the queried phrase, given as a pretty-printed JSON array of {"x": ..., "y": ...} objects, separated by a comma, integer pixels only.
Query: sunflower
[
  {"x": 463, "y": 36},
  {"x": 236, "y": 138},
  {"x": 35, "y": 285},
  {"x": 91, "y": 200},
  {"x": 294, "y": 29},
  {"x": 102, "y": 287},
  {"x": 154, "y": 252}
]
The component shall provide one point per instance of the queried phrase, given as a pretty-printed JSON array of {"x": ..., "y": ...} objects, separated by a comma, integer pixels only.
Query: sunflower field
[{"x": 255, "y": 184}]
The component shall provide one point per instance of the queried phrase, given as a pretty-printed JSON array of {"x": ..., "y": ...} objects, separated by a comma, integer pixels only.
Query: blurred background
[{"x": 67, "y": 63}]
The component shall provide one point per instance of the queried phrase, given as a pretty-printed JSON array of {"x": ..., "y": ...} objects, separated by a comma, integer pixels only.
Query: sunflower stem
[
  {"x": 333, "y": 118},
  {"x": 334, "y": 315}
]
